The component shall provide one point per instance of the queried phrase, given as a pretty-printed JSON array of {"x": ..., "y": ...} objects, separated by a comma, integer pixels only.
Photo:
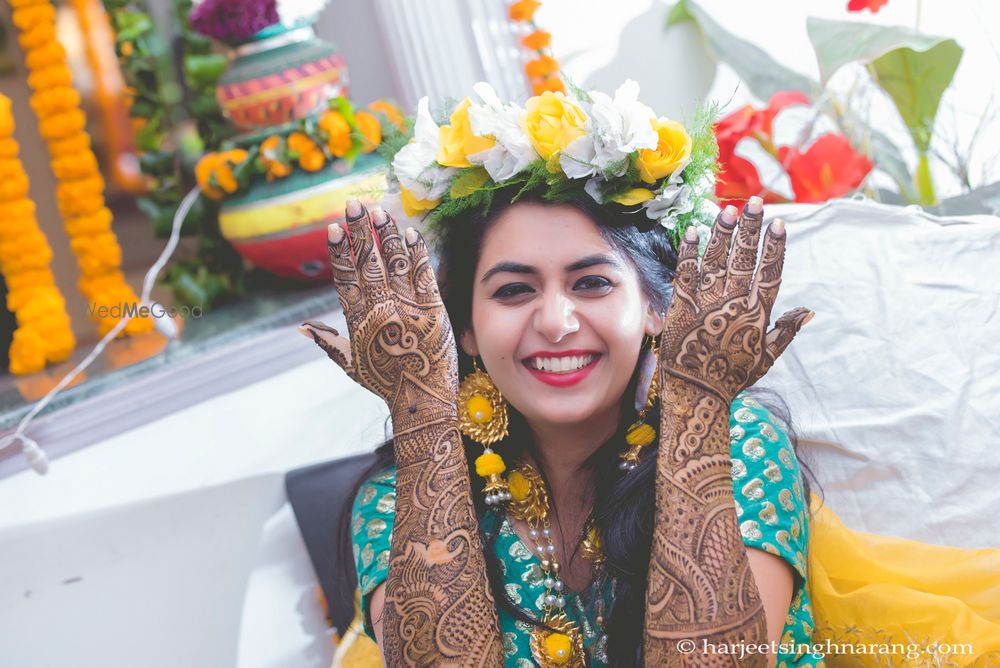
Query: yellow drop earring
[
  {"x": 482, "y": 416},
  {"x": 640, "y": 434}
]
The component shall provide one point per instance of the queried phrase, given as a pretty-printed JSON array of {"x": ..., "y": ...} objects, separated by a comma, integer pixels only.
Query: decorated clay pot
[
  {"x": 280, "y": 75},
  {"x": 281, "y": 226}
]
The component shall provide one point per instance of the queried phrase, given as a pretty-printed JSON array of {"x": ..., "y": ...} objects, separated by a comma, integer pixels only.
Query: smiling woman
[{"x": 532, "y": 514}]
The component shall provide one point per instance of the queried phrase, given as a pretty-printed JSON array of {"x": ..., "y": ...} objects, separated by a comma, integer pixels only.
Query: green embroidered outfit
[{"x": 770, "y": 505}]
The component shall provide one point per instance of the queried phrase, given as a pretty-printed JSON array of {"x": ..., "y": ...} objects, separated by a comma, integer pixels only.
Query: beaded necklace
[{"x": 561, "y": 644}]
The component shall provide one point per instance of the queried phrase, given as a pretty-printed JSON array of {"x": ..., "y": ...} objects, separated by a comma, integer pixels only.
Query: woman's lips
[{"x": 563, "y": 378}]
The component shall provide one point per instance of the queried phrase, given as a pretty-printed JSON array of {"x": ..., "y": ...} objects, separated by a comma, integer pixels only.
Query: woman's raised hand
[
  {"x": 401, "y": 343},
  {"x": 716, "y": 332}
]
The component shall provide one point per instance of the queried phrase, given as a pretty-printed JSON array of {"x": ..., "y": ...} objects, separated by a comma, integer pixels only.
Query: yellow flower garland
[
  {"x": 43, "y": 333},
  {"x": 80, "y": 190}
]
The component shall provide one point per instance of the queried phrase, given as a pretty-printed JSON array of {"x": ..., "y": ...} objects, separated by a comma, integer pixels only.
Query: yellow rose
[
  {"x": 457, "y": 141},
  {"x": 552, "y": 122},
  {"x": 412, "y": 205},
  {"x": 672, "y": 150}
]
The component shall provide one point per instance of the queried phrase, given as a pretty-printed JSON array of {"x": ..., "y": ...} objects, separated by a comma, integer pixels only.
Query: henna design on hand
[
  {"x": 439, "y": 610},
  {"x": 714, "y": 344}
]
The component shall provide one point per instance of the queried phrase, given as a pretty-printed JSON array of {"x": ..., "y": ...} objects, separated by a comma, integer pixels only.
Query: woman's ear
[
  {"x": 468, "y": 343},
  {"x": 654, "y": 320}
]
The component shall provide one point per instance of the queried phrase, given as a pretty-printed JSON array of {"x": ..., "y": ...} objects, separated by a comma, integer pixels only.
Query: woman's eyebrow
[{"x": 583, "y": 263}]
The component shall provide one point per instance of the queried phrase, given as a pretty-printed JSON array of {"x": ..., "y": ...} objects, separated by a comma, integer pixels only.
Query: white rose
[
  {"x": 615, "y": 128},
  {"x": 513, "y": 151},
  {"x": 416, "y": 165}
]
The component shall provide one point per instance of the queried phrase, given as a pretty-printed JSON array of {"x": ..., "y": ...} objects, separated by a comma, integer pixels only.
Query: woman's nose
[{"x": 556, "y": 317}]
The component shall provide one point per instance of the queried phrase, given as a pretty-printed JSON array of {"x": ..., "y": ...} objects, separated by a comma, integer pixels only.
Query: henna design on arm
[
  {"x": 439, "y": 610},
  {"x": 715, "y": 343}
]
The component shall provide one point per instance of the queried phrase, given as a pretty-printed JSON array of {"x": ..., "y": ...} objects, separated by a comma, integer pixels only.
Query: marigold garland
[
  {"x": 80, "y": 190},
  {"x": 543, "y": 70},
  {"x": 43, "y": 333},
  {"x": 339, "y": 132}
]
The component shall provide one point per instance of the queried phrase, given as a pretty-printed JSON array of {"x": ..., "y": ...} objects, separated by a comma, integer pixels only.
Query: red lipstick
[{"x": 562, "y": 379}]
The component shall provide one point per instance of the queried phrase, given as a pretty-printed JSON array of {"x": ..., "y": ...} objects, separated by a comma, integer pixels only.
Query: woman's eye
[
  {"x": 593, "y": 283},
  {"x": 512, "y": 290}
]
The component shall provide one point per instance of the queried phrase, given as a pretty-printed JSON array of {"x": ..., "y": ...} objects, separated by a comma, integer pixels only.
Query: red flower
[
  {"x": 861, "y": 5},
  {"x": 739, "y": 179},
  {"x": 830, "y": 168}
]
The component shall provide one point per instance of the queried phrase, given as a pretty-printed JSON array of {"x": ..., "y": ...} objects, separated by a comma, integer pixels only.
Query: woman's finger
[
  {"x": 785, "y": 329},
  {"x": 333, "y": 344},
  {"x": 394, "y": 253},
  {"x": 425, "y": 287},
  {"x": 767, "y": 280},
  {"x": 743, "y": 257},
  {"x": 713, "y": 264},
  {"x": 345, "y": 276},
  {"x": 371, "y": 270},
  {"x": 686, "y": 282}
]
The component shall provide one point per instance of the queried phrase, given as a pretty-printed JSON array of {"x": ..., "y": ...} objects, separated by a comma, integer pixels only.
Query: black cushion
[{"x": 319, "y": 495}]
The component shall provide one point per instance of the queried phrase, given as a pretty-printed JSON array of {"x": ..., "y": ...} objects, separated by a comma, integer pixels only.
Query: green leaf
[
  {"x": 131, "y": 25},
  {"x": 838, "y": 43},
  {"x": 764, "y": 75},
  {"x": 204, "y": 70},
  {"x": 679, "y": 14},
  {"x": 916, "y": 80},
  {"x": 468, "y": 182},
  {"x": 887, "y": 158}
]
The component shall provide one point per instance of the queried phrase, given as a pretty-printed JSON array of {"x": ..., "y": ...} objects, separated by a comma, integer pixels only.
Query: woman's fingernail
[
  {"x": 691, "y": 234},
  {"x": 354, "y": 209},
  {"x": 305, "y": 331},
  {"x": 808, "y": 318},
  {"x": 755, "y": 205},
  {"x": 778, "y": 226},
  {"x": 729, "y": 214},
  {"x": 411, "y": 235},
  {"x": 334, "y": 233}
]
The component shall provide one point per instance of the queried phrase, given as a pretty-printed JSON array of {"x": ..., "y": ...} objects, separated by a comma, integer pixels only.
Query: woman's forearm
[
  {"x": 438, "y": 607},
  {"x": 700, "y": 585}
]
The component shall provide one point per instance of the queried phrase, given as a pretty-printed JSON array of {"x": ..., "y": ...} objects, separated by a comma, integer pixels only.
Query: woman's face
[{"x": 558, "y": 315}]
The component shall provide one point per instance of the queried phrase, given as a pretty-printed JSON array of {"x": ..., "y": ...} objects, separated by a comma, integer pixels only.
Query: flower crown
[{"x": 559, "y": 147}]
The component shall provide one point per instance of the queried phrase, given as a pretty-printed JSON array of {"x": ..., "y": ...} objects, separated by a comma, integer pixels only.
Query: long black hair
[{"x": 624, "y": 502}]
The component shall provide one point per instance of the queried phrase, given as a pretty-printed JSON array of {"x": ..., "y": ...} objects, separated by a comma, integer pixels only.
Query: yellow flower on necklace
[
  {"x": 552, "y": 123},
  {"x": 456, "y": 140},
  {"x": 673, "y": 149},
  {"x": 558, "y": 648}
]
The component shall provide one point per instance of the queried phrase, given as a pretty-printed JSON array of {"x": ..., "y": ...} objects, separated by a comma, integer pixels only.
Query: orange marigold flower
[
  {"x": 541, "y": 67},
  {"x": 370, "y": 129},
  {"x": 17, "y": 4},
  {"x": 57, "y": 75},
  {"x": 554, "y": 85},
  {"x": 391, "y": 111},
  {"x": 37, "y": 36},
  {"x": 71, "y": 145},
  {"x": 52, "y": 100},
  {"x": 537, "y": 40},
  {"x": 61, "y": 125},
  {"x": 81, "y": 206},
  {"x": 22, "y": 209},
  {"x": 77, "y": 189},
  {"x": 338, "y": 133},
  {"x": 14, "y": 187},
  {"x": 524, "y": 10},
  {"x": 309, "y": 155},
  {"x": 312, "y": 161},
  {"x": 94, "y": 223},
  {"x": 11, "y": 167},
  {"x": 6, "y": 118},
  {"x": 27, "y": 352},
  {"x": 44, "y": 56},
  {"x": 274, "y": 165},
  {"x": 29, "y": 16},
  {"x": 77, "y": 166},
  {"x": 8, "y": 148}
]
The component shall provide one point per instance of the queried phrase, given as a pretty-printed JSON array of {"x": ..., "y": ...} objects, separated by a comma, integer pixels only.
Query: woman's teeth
[{"x": 561, "y": 364}]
